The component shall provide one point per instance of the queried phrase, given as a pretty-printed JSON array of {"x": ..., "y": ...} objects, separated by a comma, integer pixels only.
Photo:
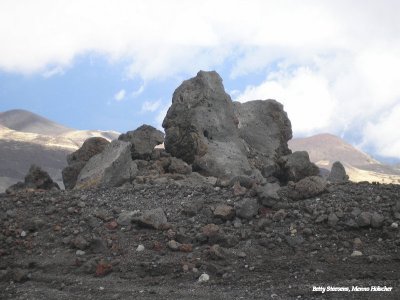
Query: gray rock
[
  {"x": 143, "y": 140},
  {"x": 266, "y": 129},
  {"x": 111, "y": 168},
  {"x": 332, "y": 219},
  {"x": 153, "y": 218},
  {"x": 247, "y": 208},
  {"x": 201, "y": 128},
  {"x": 338, "y": 173},
  {"x": 126, "y": 217},
  {"x": 296, "y": 166},
  {"x": 364, "y": 219},
  {"x": 377, "y": 220},
  {"x": 306, "y": 188},
  {"x": 178, "y": 166},
  {"x": 268, "y": 194},
  {"x": 225, "y": 212},
  {"x": 36, "y": 178},
  {"x": 78, "y": 159}
]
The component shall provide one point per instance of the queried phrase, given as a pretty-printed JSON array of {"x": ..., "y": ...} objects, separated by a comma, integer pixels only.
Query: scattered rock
[
  {"x": 297, "y": 166},
  {"x": 364, "y": 219},
  {"x": 153, "y": 218},
  {"x": 203, "y": 278},
  {"x": 268, "y": 194},
  {"x": 332, "y": 219},
  {"x": 140, "y": 248},
  {"x": 356, "y": 253},
  {"x": 306, "y": 188},
  {"x": 338, "y": 173},
  {"x": 377, "y": 220},
  {"x": 247, "y": 208},
  {"x": 225, "y": 212},
  {"x": 126, "y": 217}
]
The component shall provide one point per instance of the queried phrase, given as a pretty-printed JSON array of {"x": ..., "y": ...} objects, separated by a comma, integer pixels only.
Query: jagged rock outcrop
[
  {"x": 296, "y": 166},
  {"x": 78, "y": 159},
  {"x": 266, "y": 129},
  {"x": 201, "y": 128},
  {"x": 112, "y": 167},
  {"x": 338, "y": 173},
  {"x": 143, "y": 140},
  {"x": 221, "y": 138},
  {"x": 36, "y": 179}
]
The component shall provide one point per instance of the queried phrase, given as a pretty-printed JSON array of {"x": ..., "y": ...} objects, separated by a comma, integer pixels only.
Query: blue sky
[{"x": 113, "y": 65}]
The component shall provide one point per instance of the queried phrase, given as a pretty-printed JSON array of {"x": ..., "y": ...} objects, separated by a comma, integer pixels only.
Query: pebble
[
  {"x": 356, "y": 253},
  {"x": 394, "y": 225},
  {"x": 140, "y": 248},
  {"x": 204, "y": 278},
  {"x": 80, "y": 252},
  {"x": 23, "y": 234}
]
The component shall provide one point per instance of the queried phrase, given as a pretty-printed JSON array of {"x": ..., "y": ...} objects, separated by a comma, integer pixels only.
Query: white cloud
[
  {"x": 120, "y": 95},
  {"x": 151, "y": 106},
  {"x": 138, "y": 91},
  {"x": 334, "y": 63}
]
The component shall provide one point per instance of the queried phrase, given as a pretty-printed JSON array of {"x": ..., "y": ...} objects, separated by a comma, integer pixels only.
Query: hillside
[{"x": 325, "y": 149}]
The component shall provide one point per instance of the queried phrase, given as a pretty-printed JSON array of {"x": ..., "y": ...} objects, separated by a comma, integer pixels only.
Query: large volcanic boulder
[
  {"x": 296, "y": 166},
  {"x": 112, "y": 167},
  {"x": 36, "y": 178},
  {"x": 201, "y": 128},
  {"x": 143, "y": 141},
  {"x": 338, "y": 173},
  {"x": 266, "y": 129},
  {"x": 78, "y": 159}
]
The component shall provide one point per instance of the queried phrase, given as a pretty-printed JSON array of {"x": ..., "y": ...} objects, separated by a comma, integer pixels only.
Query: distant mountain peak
[{"x": 26, "y": 121}]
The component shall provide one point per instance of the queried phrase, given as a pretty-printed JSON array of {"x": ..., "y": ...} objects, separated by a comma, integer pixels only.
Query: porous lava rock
[{"x": 338, "y": 173}]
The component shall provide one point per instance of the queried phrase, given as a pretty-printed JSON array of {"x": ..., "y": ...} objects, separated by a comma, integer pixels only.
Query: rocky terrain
[{"x": 225, "y": 211}]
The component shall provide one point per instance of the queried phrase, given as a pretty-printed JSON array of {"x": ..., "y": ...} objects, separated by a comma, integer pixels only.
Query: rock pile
[{"x": 35, "y": 179}]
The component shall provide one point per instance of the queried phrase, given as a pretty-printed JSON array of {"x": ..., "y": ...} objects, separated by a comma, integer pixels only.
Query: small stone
[
  {"x": 377, "y": 220},
  {"x": 241, "y": 254},
  {"x": 112, "y": 225},
  {"x": 81, "y": 204},
  {"x": 321, "y": 218},
  {"x": 364, "y": 219},
  {"x": 23, "y": 233},
  {"x": 203, "y": 278},
  {"x": 279, "y": 215},
  {"x": 173, "y": 245},
  {"x": 225, "y": 212},
  {"x": 186, "y": 248},
  {"x": 332, "y": 219},
  {"x": 126, "y": 217},
  {"x": 140, "y": 248},
  {"x": 394, "y": 225},
  {"x": 103, "y": 269},
  {"x": 356, "y": 253},
  {"x": 357, "y": 243},
  {"x": 80, "y": 252},
  {"x": 210, "y": 230},
  {"x": 247, "y": 208}
]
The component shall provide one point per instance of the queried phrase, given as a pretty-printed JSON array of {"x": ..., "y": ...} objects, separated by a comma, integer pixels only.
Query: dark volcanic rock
[
  {"x": 338, "y": 173},
  {"x": 308, "y": 187},
  {"x": 35, "y": 179},
  {"x": 143, "y": 140},
  {"x": 201, "y": 128},
  {"x": 78, "y": 159},
  {"x": 297, "y": 166}
]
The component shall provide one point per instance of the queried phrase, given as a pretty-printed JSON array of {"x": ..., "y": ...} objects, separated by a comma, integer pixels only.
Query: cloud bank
[{"x": 333, "y": 64}]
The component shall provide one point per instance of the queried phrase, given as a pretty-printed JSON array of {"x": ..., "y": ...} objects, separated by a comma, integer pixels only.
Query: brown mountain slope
[{"x": 325, "y": 149}]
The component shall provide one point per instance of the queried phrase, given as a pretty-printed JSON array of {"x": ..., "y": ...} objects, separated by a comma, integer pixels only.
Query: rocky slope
[
  {"x": 93, "y": 244},
  {"x": 325, "y": 149}
]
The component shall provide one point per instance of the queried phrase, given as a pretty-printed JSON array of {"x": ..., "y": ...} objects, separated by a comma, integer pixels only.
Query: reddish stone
[
  {"x": 112, "y": 225},
  {"x": 210, "y": 230},
  {"x": 103, "y": 268},
  {"x": 57, "y": 228},
  {"x": 157, "y": 246},
  {"x": 238, "y": 190},
  {"x": 186, "y": 248},
  {"x": 264, "y": 211}
]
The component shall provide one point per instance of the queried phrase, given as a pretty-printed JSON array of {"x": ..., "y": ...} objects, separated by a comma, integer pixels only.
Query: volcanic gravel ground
[{"x": 77, "y": 244}]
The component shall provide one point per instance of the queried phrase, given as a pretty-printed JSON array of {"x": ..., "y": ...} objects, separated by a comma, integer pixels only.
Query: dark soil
[{"x": 69, "y": 245}]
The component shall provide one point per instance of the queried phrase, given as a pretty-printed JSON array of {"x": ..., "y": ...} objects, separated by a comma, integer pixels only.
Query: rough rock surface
[
  {"x": 266, "y": 129},
  {"x": 36, "y": 178},
  {"x": 296, "y": 166},
  {"x": 143, "y": 140},
  {"x": 78, "y": 159},
  {"x": 338, "y": 173},
  {"x": 201, "y": 128},
  {"x": 308, "y": 187},
  {"x": 68, "y": 245},
  {"x": 112, "y": 167}
]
